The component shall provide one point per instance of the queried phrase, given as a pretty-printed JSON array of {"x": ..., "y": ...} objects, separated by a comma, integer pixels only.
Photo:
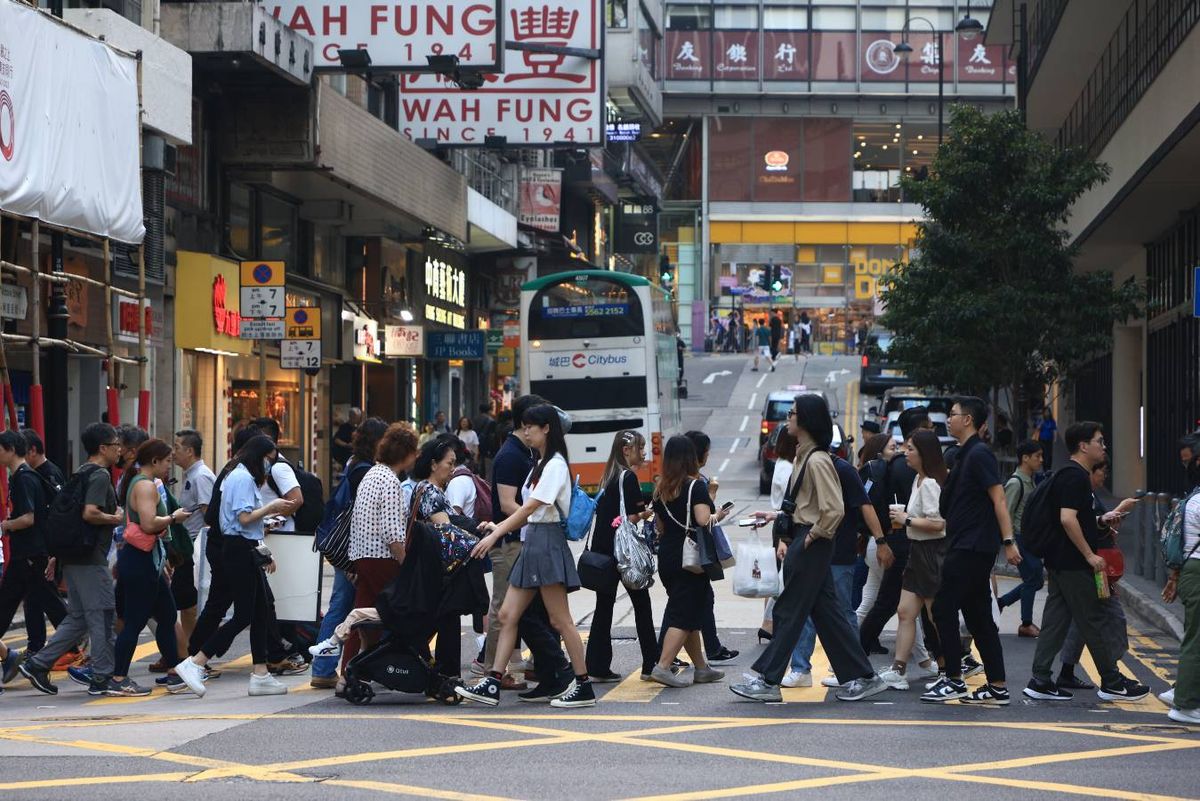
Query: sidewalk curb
[{"x": 1151, "y": 609}]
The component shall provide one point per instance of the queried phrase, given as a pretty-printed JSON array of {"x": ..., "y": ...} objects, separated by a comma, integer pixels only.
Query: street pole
[
  {"x": 941, "y": 85},
  {"x": 57, "y": 392}
]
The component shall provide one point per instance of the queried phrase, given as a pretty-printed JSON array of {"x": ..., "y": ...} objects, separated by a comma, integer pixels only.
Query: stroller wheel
[{"x": 359, "y": 693}]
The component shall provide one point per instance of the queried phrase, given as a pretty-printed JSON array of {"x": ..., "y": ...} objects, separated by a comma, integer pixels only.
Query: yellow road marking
[
  {"x": 405, "y": 789},
  {"x": 85, "y": 781},
  {"x": 816, "y": 693},
  {"x": 1070, "y": 789},
  {"x": 777, "y": 787},
  {"x": 1148, "y": 704},
  {"x": 633, "y": 690}
]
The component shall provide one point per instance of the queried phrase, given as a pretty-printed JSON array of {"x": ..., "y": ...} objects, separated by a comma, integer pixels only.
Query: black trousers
[
  {"x": 888, "y": 598},
  {"x": 599, "y": 645},
  {"x": 250, "y": 607},
  {"x": 966, "y": 587},
  {"x": 220, "y": 596},
  {"x": 25, "y": 581},
  {"x": 808, "y": 590}
]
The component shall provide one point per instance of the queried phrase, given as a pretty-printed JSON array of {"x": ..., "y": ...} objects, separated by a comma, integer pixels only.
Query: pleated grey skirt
[{"x": 545, "y": 559}]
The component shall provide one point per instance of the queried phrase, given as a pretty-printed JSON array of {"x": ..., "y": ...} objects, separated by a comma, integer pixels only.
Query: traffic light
[
  {"x": 666, "y": 273},
  {"x": 767, "y": 277}
]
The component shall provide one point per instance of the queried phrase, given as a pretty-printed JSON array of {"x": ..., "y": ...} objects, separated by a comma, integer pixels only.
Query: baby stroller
[{"x": 424, "y": 599}]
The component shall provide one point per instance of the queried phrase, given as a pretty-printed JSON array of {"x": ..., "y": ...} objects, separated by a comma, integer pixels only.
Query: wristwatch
[
  {"x": 907, "y": 521},
  {"x": 1007, "y": 542},
  {"x": 880, "y": 541}
]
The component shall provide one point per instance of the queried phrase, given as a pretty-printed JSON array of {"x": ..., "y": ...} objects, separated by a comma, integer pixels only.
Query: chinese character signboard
[
  {"x": 637, "y": 226},
  {"x": 735, "y": 55},
  {"x": 979, "y": 63},
  {"x": 688, "y": 55},
  {"x": 541, "y": 194},
  {"x": 125, "y": 316},
  {"x": 542, "y": 99},
  {"x": 785, "y": 55},
  {"x": 455, "y": 345},
  {"x": 300, "y": 354},
  {"x": 623, "y": 131},
  {"x": 399, "y": 36},
  {"x": 445, "y": 293},
  {"x": 263, "y": 299},
  {"x": 403, "y": 340}
]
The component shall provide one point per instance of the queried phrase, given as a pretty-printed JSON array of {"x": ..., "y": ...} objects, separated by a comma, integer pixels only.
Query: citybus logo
[
  {"x": 8, "y": 126},
  {"x": 582, "y": 360}
]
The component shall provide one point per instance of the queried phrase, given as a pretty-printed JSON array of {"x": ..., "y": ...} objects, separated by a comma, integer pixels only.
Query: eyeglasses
[
  {"x": 110, "y": 444},
  {"x": 956, "y": 414},
  {"x": 791, "y": 412}
]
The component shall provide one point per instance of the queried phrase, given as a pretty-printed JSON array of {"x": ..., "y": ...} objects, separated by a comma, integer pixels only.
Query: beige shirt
[{"x": 819, "y": 502}]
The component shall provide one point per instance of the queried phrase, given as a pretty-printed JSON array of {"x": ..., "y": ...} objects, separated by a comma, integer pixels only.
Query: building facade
[{"x": 1127, "y": 70}]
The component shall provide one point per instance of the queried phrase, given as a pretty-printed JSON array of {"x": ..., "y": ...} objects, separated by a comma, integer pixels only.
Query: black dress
[{"x": 689, "y": 595}]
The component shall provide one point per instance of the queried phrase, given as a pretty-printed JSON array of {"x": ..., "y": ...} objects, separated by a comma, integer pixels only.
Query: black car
[{"x": 878, "y": 372}]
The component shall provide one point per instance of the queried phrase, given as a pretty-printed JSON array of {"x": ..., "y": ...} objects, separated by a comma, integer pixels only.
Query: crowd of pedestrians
[{"x": 905, "y": 533}]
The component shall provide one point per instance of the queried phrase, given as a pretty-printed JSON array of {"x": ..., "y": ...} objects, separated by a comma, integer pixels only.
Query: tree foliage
[{"x": 990, "y": 297}]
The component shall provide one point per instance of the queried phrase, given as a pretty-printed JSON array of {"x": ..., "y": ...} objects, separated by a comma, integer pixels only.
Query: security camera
[{"x": 468, "y": 79}]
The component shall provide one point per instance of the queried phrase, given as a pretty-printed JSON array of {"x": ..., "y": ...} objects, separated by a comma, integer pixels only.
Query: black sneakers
[
  {"x": 946, "y": 689},
  {"x": 547, "y": 691},
  {"x": 970, "y": 667},
  {"x": 581, "y": 694},
  {"x": 1127, "y": 690},
  {"x": 39, "y": 678},
  {"x": 1069, "y": 681},
  {"x": 1045, "y": 691},
  {"x": 723, "y": 657},
  {"x": 988, "y": 695},
  {"x": 484, "y": 691}
]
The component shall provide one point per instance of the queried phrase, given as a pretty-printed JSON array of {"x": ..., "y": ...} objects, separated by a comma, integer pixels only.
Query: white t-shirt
[
  {"x": 923, "y": 502},
  {"x": 461, "y": 493},
  {"x": 779, "y": 482},
  {"x": 1191, "y": 527},
  {"x": 470, "y": 439},
  {"x": 554, "y": 486},
  {"x": 285, "y": 479}
]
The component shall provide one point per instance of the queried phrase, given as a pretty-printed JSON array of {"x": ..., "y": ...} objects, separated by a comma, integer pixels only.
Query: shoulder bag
[
  {"x": 785, "y": 527},
  {"x": 634, "y": 557}
]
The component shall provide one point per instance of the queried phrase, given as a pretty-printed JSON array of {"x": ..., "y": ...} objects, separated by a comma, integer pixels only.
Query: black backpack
[
  {"x": 312, "y": 511},
  {"x": 69, "y": 538},
  {"x": 1041, "y": 531},
  {"x": 212, "y": 514}
]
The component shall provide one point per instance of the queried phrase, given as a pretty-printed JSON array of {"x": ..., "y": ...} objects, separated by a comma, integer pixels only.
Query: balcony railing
[
  {"x": 1149, "y": 34},
  {"x": 486, "y": 175},
  {"x": 1042, "y": 25}
]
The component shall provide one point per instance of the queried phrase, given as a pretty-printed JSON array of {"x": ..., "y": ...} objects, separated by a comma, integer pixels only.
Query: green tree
[{"x": 989, "y": 297}]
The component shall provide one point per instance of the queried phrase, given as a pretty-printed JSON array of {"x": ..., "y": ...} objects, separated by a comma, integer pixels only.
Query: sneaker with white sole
[
  {"x": 831, "y": 681},
  {"x": 266, "y": 684},
  {"x": 921, "y": 673},
  {"x": 477, "y": 668},
  {"x": 797, "y": 678},
  {"x": 193, "y": 676},
  {"x": 988, "y": 695},
  {"x": 929, "y": 685},
  {"x": 1191, "y": 716},
  {"x": 861, "y": 689},
  {"x": 329, "y": 647},
  {"x": 1127, "y": 690},
  {"x": 758, "y": 690},
  {"x": 707, "y": 675},
  {"x": 970, "y": 667},
  {"x": 581, "y": 695},
  {"x": 723, "y": 657},
  {"x": 894, "y": 679},
  {"x": 947, "y": 689},
  {"x": 1040, "y": 690},
  {"x": 1168, "y": 697},
  {"x": 670, "y": 678},
  {"x": 485, "y": 691}
]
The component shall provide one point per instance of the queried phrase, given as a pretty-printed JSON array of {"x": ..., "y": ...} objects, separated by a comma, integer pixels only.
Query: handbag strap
[
  {"x": 795, "y": 490},
  {"x": 687, "y": 528}
]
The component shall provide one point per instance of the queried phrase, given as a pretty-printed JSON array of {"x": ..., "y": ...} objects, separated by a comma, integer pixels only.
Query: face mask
[{"x": 266, "y": 465}]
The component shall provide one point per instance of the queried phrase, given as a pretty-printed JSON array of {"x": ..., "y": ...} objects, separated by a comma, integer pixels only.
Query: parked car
[{"x": 878, "y": 371}]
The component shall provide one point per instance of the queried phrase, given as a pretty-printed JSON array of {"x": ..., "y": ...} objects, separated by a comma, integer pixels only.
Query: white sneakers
[
  {"x": 831, "y": 681},
  {"x": 1168, "y": 697},
  {"x": 1191, "y": 716},
  {"x": 797, "y": 678},
  {"x": 266, "y": 684},
  {"x": 192, "y": 675},
  {"x": 328, "y": 647},
  {"x": 894, "y": 679}
]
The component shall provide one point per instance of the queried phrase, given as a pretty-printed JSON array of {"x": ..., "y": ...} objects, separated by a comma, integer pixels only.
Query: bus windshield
[{"x": 583, "y": 307}]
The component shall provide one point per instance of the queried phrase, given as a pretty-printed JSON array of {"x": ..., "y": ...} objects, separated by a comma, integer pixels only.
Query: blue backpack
[{"x": 579, "y": 519}]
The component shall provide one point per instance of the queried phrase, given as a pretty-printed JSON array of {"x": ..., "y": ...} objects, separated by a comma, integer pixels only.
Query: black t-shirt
[
  {"x": 345, "y": 433},
  {"x": 674, "y": 515},
  {"x": 49, "y": 471},
  {"x": 608, "y": 508},
  {"x": 900, "y": 478},
  {"x": 970, "y": 515},
  {"x": 854, "y": 497},
  {"x": 1072, "y": 489},
  {"x": 27, "y": 494},
  {"x": 776, "y": 329},
  {"x": 510, "y": 468}
]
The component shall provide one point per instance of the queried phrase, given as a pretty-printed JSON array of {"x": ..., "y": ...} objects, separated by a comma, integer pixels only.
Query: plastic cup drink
[{"x": 897, "y": 507}]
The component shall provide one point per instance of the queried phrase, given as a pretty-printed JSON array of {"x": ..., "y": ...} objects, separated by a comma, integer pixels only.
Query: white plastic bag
[{"x": 755, "y": 575}]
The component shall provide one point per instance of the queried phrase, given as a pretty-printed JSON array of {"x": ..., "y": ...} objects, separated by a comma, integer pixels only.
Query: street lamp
[{"x": 968, "y": 27}]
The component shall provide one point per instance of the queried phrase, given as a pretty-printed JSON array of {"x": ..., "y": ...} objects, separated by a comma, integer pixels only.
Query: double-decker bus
[{"x": 601, "y": 345}]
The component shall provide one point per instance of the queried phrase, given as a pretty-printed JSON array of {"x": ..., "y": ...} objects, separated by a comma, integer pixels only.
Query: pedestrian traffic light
[
  {"x": 666, "y": 273},
  {"x": 767, "y": 277}
]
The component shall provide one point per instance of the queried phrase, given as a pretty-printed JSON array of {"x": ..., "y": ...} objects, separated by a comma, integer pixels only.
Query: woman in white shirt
[
  {"x": 545, "y": 565},
  {"x": 1184, "y": 584},
  {"x": 785, "y": 454},
  {"x": 927, "y": 533},
  {"x": 468, "y": 437}
]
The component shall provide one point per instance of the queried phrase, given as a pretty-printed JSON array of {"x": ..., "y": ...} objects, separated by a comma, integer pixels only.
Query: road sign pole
[{"x": 262, "y": 378}]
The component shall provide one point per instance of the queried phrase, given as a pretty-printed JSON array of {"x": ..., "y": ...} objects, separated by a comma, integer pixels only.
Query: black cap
[{"x": 870, "y": 426}]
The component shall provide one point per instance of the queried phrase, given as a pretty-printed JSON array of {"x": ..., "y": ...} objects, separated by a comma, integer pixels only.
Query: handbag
[
  {"x": 597, "y": 571},
  {"x": 455, "y": 544},
  {"x": 180, "y": 547},
  {"x": 692, "y": 560},
  {"x": 634, "y": 555},
  {"x": 137, "y": 537},
  {"x": 784, "y": 528},
  {"x": 1114, "y": 563},
  {"x": 724, "y": 551}
]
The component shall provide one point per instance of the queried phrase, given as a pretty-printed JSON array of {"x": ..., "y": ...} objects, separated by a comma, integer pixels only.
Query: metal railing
[
  {"x": 1043, "y": 23},
  {"x": 1139, "y": 537},
  {"x": 485, "y": 174},
  {"x": 1149, "y": 34}
]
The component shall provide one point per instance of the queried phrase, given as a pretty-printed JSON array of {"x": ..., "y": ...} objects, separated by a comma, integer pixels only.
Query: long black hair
[
  {"x": 678, "y": 465},
  {"x": 812, "y": 415},
  {"x": 253, "y": 453},
  {"x": 556, "y": 441},
  {"x": 434, "y": 451}
]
